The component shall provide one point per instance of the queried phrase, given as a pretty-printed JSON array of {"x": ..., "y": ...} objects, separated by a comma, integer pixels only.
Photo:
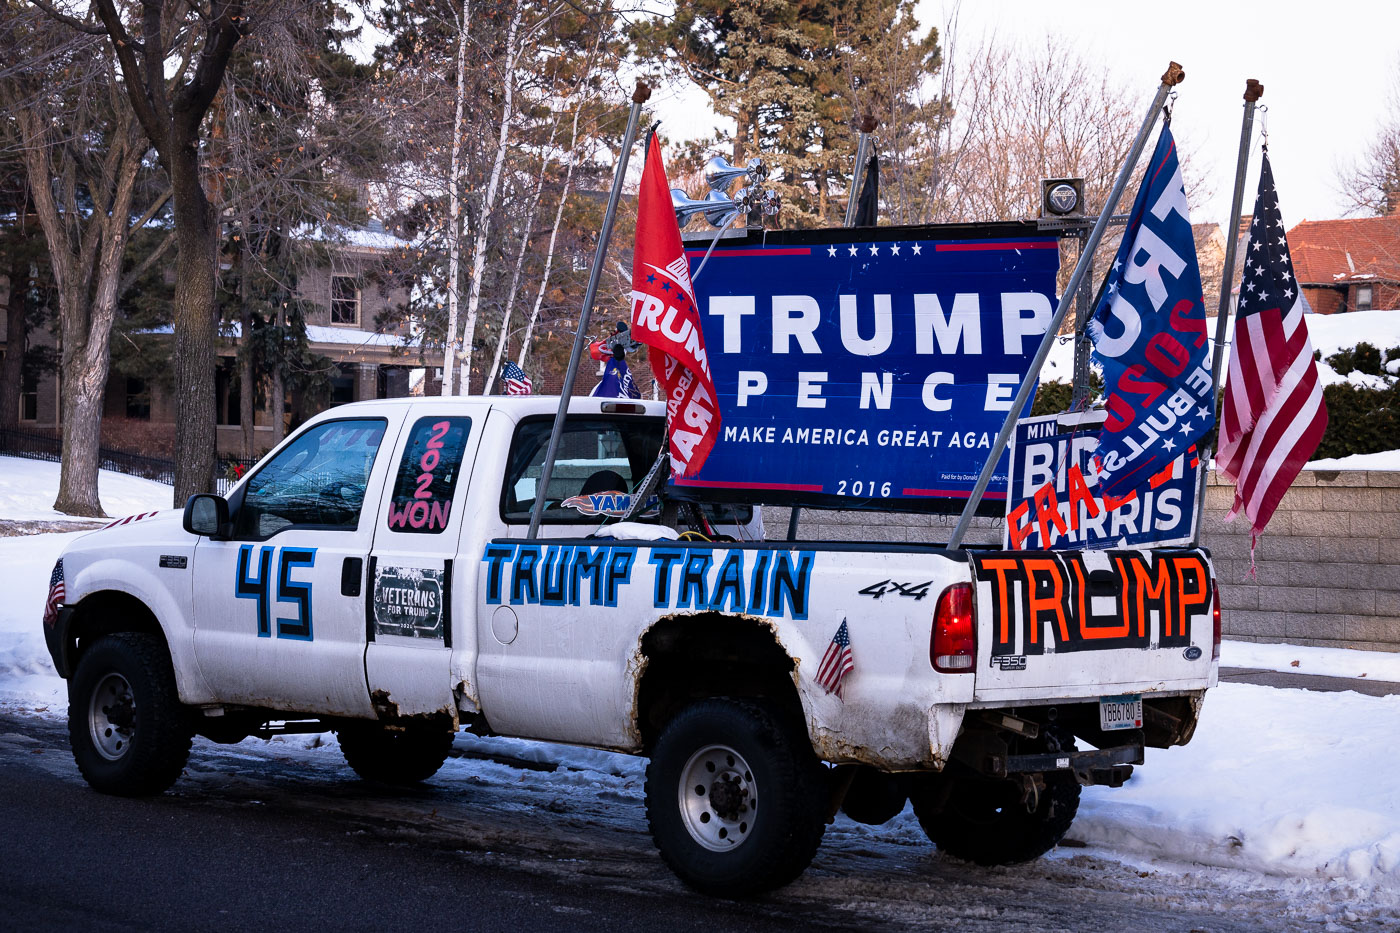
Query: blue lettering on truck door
[{"x": 248, "y": 586}]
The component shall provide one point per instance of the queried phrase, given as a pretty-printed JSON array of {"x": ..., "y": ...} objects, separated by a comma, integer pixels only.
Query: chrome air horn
[
  {"x": 716, "y": 208},
  {"x": 719, "y": 174}
]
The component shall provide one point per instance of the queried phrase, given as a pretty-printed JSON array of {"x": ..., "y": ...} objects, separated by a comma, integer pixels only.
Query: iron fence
[{"x": 36, "y": 446}]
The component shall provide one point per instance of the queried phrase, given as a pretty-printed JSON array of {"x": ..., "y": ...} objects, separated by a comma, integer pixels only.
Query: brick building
[
  {"x": 346, "y": 294},
  {"x": 1348, "y": 265}
]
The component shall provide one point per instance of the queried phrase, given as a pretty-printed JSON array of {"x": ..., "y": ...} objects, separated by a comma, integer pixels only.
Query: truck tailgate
[{"x": 1065, "y": 624}]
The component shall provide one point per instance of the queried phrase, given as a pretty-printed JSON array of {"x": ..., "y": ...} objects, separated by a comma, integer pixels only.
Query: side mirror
[{"x": 207, "y": 515}]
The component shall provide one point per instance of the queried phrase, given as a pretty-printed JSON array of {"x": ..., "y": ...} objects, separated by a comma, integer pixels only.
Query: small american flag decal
[
  {"x": 56, "y": 594},
  {"x": 837, "y": 662}
]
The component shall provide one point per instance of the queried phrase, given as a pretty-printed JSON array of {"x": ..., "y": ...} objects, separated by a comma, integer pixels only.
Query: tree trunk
[
  {"x": 16, "y": 335},
  {"x": 82, "y": 395},
  {"x": 87, "y": 357},
  {"x": 454, "y": 233},
  {"x": 196, "y": 243},
  {"x": 247, "y": 396},
  {"x": 278, "y": 400},
  {"x": 549, "y": 253},
  {"x": 488, "y": 205}
]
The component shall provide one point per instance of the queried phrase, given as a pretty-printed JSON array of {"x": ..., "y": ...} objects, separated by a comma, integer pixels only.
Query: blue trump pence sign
[{"x": 856, "y": 367}]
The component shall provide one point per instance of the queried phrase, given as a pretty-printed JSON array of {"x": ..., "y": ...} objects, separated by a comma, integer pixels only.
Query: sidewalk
[{"x": 1267, "y": 678}]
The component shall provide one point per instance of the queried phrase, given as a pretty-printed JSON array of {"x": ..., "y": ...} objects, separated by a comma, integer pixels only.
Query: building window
[
  {"x": 1363, "y": 298},
  {"x": 29, "y": 398},
  {"x": 345, "y": 299},
  {"x": 138, "y": 399}
]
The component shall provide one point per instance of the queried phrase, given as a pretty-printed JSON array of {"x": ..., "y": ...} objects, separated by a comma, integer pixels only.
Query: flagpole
[
  {"x": 1253, "y": 90},
  {"x": 868, "y": 123},
  {"x": 639, "y": 97},
  {"x": 1174, "y": 76}
]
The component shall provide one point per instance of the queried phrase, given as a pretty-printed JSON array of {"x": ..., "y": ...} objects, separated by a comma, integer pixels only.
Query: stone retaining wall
[{"x": 1327, "y": 568}]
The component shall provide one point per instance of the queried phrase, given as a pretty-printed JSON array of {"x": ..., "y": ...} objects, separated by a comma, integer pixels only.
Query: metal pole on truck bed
[
  {"x": 868, "y": 123},
  {"x": 1171, "y": 79},
  {"x": 640, "y": 96},
  {"x": 1253, "y": 90}
]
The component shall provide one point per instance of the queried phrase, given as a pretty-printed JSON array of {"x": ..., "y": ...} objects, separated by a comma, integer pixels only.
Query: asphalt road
[
  {"x": 256, "y": 838},
  {"x": 76, "y": 860}
]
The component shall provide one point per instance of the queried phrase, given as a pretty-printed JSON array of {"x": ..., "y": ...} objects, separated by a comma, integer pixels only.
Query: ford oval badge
[{"x": 1192, "y": 653}]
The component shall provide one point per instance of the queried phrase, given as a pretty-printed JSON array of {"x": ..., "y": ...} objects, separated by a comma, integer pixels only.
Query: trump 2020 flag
[
  {"x": 617, "y": 381},
  {"x": 664, "y": 317},
  {"x": 1149, "y": 333},
  {"x": 1273, "y": 413}
]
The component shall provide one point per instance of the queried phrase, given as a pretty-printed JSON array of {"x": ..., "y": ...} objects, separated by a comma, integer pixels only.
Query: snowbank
[
  {"x": 1300, "y": 659},
  {"x": 28, "y": 488},
  {"x": 1288, "y": 782},
  {"x": 1384, "y": 460},
  {"x": 26, "y": 673}
]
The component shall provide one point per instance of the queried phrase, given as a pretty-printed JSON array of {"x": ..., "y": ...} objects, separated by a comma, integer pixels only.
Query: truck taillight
[
  {"x": 1215, "y": 620},
  {"x": 953, "y": 644}
]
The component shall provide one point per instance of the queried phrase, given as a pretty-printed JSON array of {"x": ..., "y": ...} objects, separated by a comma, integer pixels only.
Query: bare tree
[
  {"x": 82, "y": 153},
  {"x": 172, "y": 56},
  {"x": 1371, "y": 183}
]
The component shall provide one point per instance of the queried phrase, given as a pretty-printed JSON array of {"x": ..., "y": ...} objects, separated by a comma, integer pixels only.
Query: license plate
[{"x": 1123, "y": 712}]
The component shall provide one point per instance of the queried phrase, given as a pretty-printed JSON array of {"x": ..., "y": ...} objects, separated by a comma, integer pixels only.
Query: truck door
[
  {"x": 413, "y": 567},
  {"x": 279, "y": 609}
]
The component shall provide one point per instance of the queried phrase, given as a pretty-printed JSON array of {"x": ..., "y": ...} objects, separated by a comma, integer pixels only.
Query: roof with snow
[
  {"x": 1335, "y": 252},
  {"x": 373, "y": 238}
]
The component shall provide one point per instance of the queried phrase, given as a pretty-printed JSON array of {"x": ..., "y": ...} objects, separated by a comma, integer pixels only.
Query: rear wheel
[
  {"x": 735, "y": 798},
  {"x": 129, "y": 733},
  {"x": 404, "y": 755},
  {"x": 1000, "y": 822}
]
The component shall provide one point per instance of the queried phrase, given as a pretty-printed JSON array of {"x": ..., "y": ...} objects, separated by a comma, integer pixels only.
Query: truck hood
[{"x": 141, "y": 528}]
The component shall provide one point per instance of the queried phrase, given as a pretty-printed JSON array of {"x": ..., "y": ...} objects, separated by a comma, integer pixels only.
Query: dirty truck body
[{"x": 372, "y": 575}]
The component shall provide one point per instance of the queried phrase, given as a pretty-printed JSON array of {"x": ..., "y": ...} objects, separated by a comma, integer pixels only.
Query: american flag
[
  {"x": 517, "y": 383},
  {"x": 1274, "y": 414},
  {"x": 56, "y": 594},
  {"x": 837, "y": 662}
]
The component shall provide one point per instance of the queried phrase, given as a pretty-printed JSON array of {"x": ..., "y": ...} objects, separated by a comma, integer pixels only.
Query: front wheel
[
  {"x": 401, "y": 756},
  {"x": 129, "y": 733},
  {"x": 734, "y": 798}
]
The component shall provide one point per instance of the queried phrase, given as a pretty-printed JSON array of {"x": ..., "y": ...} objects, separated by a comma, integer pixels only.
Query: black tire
[
  {"x": 130, "y": 734},
  {"x": 394, "y": 756},
  {"x": 741, "y": 754},
  {"x": 984, "y": 820}
]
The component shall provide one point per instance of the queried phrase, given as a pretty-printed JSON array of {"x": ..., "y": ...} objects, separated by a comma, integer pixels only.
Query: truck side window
[
  {"x": 427, "y": 475},
  {"x": 317, "y": 481},
  {"x": 599, "y": 456}
]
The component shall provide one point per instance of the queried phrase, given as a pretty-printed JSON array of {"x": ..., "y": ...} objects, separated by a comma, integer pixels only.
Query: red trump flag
[{"x": 665, "y": 318}]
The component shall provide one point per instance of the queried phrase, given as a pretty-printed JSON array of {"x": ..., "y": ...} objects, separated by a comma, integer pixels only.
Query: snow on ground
[
  {"x": 28, "y": 488},
  {"x": 1277, "y": 782},
  {"x": 1301, "y": 659},
  {"x": 1385, "y": 460}
]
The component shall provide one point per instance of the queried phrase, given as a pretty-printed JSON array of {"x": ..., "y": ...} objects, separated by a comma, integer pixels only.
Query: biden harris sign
[{"x": 856, "y": 367}]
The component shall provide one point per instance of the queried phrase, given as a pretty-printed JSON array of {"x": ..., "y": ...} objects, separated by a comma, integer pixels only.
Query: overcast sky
[{"x": 1327, "y": 69}]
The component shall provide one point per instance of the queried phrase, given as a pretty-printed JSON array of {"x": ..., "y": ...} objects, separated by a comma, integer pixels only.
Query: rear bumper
[{"x": 1085, "y": 763}]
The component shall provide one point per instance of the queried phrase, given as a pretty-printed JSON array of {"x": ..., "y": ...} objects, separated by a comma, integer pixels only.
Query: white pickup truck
[{"x": 372, "y": 576}]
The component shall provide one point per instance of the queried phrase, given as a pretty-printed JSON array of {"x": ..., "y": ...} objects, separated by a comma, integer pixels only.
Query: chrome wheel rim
[
  {"x": 112, "y": 717},
  {"x": 718, "y": 798}
]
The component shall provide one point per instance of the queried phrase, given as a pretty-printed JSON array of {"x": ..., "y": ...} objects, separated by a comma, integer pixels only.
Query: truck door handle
[{"x": 351, "y": 572}]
